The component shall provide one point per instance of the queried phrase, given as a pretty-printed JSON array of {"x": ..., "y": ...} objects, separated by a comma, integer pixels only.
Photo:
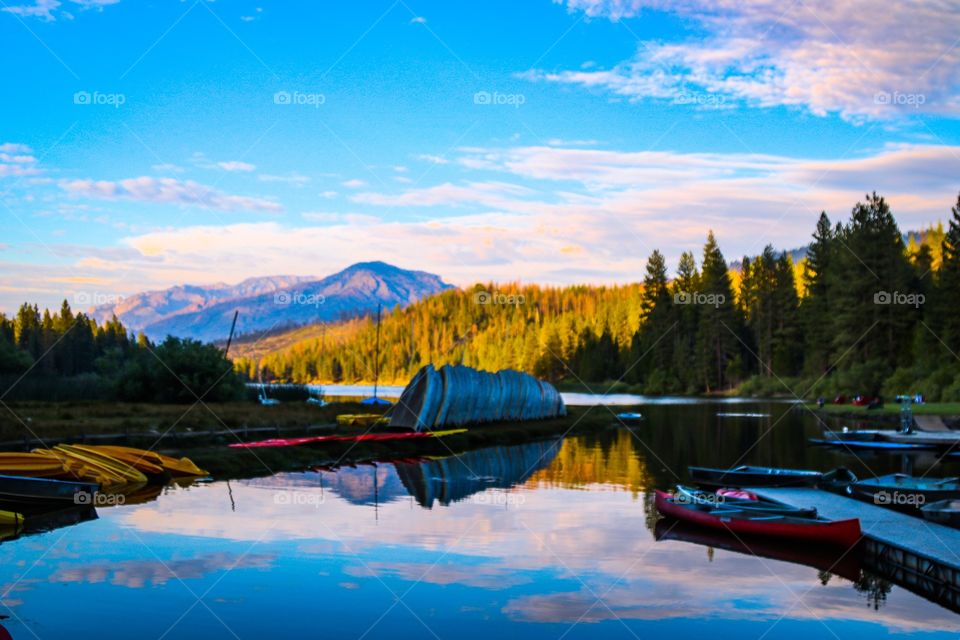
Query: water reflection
[
  {"x": 455, "y": 478},
  {"x": 426, "y": 547}
]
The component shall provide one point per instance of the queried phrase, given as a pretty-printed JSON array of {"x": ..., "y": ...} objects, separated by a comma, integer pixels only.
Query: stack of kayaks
[
  {"x": 146, "y": 461},
  {"x": 752, "y": 516},
  {"x": 111, "y": 467}
]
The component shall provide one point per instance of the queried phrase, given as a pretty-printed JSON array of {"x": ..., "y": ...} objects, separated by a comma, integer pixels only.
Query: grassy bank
[
  {"x": 890, "y": 409},
  {"x": 203, "y": 432}
]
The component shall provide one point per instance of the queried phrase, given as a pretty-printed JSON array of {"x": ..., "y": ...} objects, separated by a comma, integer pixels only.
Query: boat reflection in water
[
  {"x": 455, "y": 478},
  {"x": 841, "y": 562},
  {"x": 434, "y": 480}
]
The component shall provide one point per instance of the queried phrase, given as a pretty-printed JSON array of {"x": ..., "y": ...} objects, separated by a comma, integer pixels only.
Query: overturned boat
[{"x": 458, "y": 395}]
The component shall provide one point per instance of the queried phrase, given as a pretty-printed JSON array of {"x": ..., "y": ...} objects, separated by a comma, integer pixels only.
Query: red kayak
[
  {"x": 845, "y": 533},
  {"x": 363, "y": 437}
]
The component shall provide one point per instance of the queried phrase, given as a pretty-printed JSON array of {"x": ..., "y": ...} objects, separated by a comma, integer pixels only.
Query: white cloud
[
  {"x": 17, "y": 160},
  {"x": 167, "y": 191},
  {"x": 292, "y": 179},
  {"x": 355, "y": 183},
  {"x": 433, "y": 159},
  {"x": 418, "y": 20},
  {"x": 236, "y": 165},
  {"x": 849, "y": 58},
  {"x": 492, "y": 194},
  {"x": 51, "y": 9}
]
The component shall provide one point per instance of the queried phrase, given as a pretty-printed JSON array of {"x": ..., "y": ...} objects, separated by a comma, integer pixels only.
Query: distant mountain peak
[{"x": 270, "y": 302}]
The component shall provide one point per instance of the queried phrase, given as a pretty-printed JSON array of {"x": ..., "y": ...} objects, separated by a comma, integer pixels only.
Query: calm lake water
[{"x": 549, "y": 540}]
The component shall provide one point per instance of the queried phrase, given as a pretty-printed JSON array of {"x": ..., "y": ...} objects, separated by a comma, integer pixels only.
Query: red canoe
[{"x": 845, "y": 533}]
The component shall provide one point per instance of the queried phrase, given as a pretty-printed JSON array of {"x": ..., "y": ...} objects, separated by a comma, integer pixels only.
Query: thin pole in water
[
  {"x": 232, "y": 327},
  {"x": 376, "y": 364}
]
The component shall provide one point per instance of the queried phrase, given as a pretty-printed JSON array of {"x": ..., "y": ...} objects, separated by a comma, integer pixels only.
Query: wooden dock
[{"x": 921, "y": 556}]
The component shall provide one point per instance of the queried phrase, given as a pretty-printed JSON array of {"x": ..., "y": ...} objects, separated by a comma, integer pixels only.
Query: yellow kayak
[
  {"x": 102, "y": 462},
  {"x": 182, "y": 468},
  {"x": 80, "y": 470},
  {"x": 150, "y": 461},
  {"x": 361, "y": 419},
  {"x": 143, "y": 461},
  {"x": 10, "y": 519},
  {"x": 31, "y": 465}
]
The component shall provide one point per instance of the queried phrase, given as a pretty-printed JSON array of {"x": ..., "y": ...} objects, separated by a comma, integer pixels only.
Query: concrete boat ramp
[{"x": 921, "y": 556}]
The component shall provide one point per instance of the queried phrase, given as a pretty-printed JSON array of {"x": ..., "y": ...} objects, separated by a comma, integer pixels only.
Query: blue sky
[{"x": 146, "y": 144}]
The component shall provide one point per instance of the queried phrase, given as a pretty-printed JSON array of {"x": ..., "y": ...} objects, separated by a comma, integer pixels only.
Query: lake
[{"x": 554, "y": 539}]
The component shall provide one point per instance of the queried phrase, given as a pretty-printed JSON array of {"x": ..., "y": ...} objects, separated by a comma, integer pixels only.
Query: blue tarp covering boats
[{"x": 456, "y": 395}]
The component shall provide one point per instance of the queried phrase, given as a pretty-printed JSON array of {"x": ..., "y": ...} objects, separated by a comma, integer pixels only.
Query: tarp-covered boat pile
[{"x": 458, "y": 395}]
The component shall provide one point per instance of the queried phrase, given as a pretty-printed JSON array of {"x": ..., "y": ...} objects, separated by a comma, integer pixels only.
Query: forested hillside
[
  {"x": 864, "y": 312},
  {"x": 62, "y": 356}
]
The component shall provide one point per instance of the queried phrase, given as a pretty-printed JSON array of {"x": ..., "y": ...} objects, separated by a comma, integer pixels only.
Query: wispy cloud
[
  {"x": 167, "y": 191},
  {"x": 236, "y": 165},
  {"x": 52, "y": 9},
  {"x": 17, "y": 160},
  {"x": 825, "y": 57}
]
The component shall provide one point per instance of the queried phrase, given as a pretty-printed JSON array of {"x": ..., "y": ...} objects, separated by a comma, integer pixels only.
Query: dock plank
[{"x": 937, "y": 542}]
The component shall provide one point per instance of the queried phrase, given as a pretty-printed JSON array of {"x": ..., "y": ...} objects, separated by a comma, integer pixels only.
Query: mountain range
[{"x": 270, "y": 303}]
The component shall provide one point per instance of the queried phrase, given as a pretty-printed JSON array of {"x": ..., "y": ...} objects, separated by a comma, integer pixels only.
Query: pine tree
[
  {"x": 718, "y": 328},
  {"x": 946, "y": 322}
]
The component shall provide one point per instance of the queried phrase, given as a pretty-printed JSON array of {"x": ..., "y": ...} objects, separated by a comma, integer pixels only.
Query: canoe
[
  {"x": 41, "y": 490},
  {"x": 945, "y": 512},
  {"x": 844, "y": 533},
  {"x": 746, "y": 476},
  {"x": 10, "y": 519},
  {"x": 868, "y": 444},
  {"x": 365, "y": 437},
  {"x": 900, "y": 490},
  {"x": 688, "y": 495}
]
